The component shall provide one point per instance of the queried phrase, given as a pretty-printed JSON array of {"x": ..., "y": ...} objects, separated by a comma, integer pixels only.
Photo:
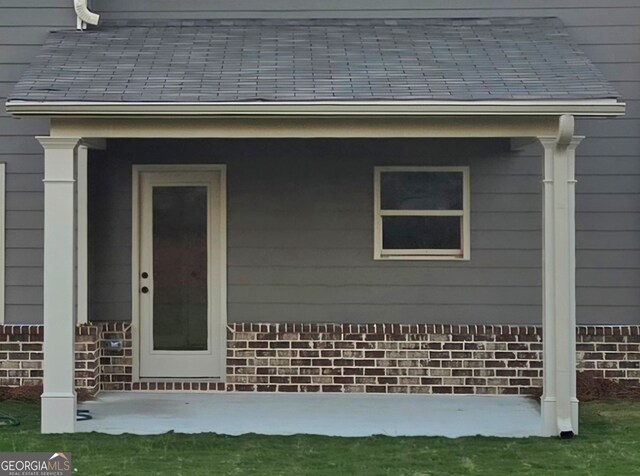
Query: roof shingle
[{"x": 313, "y": 60}]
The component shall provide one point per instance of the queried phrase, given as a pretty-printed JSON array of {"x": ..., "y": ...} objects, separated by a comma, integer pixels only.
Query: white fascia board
[{"x": 599, "y": 107}]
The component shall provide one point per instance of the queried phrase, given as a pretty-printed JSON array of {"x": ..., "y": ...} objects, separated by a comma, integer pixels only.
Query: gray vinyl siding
[
  {"x": 341, "y": 283},
  {"x": 300, "y": 232},
  {"x": 23, "y": 26}
]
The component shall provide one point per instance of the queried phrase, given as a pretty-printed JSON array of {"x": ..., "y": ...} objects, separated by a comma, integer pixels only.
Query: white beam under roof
[{"x": 593, "y": 107}]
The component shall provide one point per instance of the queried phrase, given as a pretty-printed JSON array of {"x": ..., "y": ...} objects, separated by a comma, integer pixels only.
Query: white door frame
[{"x": 221, "y": 343}]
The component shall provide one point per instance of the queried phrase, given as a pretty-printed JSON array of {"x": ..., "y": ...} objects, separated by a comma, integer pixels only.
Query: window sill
[{"x": 384, "y": 257}]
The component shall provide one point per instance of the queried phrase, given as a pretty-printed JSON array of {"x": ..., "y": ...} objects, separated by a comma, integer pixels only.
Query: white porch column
[
  {"x": 559, "y": 402},
  {"x": 59, "y": 396}
]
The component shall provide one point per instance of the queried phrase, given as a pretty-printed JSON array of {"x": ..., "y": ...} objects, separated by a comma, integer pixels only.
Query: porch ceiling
[{"x": 315, "y": 67}]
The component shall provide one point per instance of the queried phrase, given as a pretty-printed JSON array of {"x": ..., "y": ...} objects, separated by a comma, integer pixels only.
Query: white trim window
[{"x": 421, "y": 213}]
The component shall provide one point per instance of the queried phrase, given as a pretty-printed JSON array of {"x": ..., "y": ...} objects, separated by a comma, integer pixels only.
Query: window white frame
[{"x": 464, "y": 253}]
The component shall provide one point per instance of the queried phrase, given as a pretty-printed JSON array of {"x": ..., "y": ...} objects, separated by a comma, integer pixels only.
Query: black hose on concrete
[{"x": 83, "y": 415}]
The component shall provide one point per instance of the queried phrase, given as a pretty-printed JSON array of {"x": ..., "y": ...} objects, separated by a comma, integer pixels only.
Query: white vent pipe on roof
[{"x": 84, "y": 15}]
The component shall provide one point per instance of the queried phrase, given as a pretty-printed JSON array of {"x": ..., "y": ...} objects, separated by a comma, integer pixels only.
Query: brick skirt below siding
[
  {"x": 21, "y": 356},
  {"x": 375, "y": 358}
]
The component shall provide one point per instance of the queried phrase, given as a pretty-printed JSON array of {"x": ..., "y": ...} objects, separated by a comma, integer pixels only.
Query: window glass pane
[
  {"x": 408, "y": 233},
  {"x": 180, "y": 268},
  {"x": 421, "y": 190}
]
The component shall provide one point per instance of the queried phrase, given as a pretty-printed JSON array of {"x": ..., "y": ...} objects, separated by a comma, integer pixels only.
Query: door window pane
[
  {"x": 180, "y": 314},
  {"x": 421, "y": 232}
]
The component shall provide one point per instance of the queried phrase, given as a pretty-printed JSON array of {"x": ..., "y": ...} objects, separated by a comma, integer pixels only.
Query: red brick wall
[
  {"x": 116, "y": 366},
  {"x": 21, "y": 356},
  {"x": 376, "y": 358},
  {"x": 384, "y": 358}
]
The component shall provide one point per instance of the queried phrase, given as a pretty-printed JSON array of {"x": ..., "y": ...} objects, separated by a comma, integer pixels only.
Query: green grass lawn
[{"x": 609, "y": 444}]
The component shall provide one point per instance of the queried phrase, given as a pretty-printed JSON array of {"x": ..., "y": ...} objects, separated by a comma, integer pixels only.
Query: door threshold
[{"x": 179, "y": 385}]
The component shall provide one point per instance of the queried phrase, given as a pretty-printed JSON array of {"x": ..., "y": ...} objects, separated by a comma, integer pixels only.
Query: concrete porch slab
[{"x": 147, "y": 413}]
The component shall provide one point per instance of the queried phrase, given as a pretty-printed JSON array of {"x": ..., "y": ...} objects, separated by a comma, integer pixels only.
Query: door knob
[{"x": 144, "y": 289}]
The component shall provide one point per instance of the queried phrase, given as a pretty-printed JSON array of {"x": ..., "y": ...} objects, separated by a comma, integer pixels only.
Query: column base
[
  {"x": 548, "y": 412},
  {"x": 58, "y": 413}
]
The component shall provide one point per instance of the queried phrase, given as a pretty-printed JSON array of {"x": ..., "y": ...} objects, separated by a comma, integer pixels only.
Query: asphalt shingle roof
[{"x": 313, "y": 60}]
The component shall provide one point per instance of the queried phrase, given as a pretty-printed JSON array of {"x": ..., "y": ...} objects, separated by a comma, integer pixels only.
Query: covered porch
[
  {"x": 470, "y": 105},
  {"x": 558, "y": 413}
]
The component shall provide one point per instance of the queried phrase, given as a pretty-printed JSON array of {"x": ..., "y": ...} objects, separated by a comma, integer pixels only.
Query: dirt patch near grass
[
  {"x": 28, "y": 393},
  {"x": 590, "y": 388}
]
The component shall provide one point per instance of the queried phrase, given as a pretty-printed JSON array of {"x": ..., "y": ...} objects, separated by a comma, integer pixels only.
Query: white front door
[{"x": 181, "y": 272}]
